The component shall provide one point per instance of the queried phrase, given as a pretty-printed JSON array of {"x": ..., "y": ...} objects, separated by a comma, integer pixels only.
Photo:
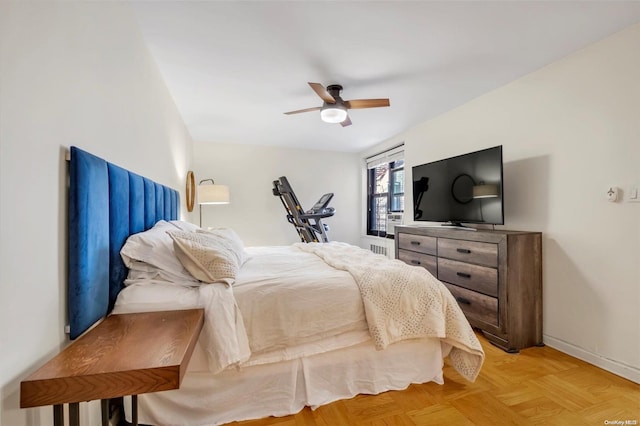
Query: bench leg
[
  {"x": 74, "y": 414},
  {"x": 58, "y": 415},
  {"x": 104, "y": 410},
  {"x": 134, "y": 410}
]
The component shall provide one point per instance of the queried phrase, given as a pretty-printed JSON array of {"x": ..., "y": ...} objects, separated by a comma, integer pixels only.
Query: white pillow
[
  {"x": 152, "y": 251},
  {"x": 205, "y": 256},
  {"x": 230, "y": 239}
]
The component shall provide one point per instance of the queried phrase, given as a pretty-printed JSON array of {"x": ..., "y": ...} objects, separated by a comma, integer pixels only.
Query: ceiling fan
[{"x": 334, "y": 109}]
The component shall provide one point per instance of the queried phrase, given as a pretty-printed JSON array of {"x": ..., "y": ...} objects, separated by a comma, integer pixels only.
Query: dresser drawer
[
  {"x": 467, "y": 275},
  {"x": 476, "y": 306},
  {"x": 419, "y": 243},
  {"x": 419, "y": 259},
  {"x": 469, "y": 251}
]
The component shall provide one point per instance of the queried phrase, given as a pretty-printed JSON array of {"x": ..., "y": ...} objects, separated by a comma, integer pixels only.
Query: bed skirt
[{"x": 287, "y": 387}]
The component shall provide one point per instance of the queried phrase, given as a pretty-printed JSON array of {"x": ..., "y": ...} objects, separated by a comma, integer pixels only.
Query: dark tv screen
[{"x": 462, "y": 189}]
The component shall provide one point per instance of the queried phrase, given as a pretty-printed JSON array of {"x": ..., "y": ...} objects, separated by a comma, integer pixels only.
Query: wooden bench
[{"x": 126, "y": 354}]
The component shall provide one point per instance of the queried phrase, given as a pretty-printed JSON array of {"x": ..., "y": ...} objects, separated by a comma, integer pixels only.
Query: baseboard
[{"x": 617, "y": 368}]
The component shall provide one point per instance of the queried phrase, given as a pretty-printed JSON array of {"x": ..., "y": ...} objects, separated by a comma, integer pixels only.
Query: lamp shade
[
  {"x": 213, "y": 194},
  {"x": 485, "y": 191}
]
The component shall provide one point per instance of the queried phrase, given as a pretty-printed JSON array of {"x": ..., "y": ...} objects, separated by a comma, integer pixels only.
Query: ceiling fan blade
[
  {"x": 366, "y": 103},
  {"x": 346, "y": 122},
  {"x": 322, "y": 92},
  {"x": 303, "y": 110}
]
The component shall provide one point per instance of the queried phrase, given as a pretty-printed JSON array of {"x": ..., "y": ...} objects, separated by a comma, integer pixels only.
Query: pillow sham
[
  {"x": 152, "y": 251},
  {"x": 205, "y": 256},
  {"x": 229, "y": 239}
]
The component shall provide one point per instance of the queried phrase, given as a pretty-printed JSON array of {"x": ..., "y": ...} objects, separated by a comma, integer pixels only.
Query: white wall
[
  {"x": 569, "y": 131},
  {"x": 255, "y": 213},
  {"x": 70, "y": 74}
]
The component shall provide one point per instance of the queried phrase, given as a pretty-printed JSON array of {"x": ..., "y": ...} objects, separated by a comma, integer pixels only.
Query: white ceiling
[{"x": 234, "y": 67}]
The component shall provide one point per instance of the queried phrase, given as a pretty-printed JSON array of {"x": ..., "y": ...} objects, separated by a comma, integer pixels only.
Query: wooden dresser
[{"x": 496, "y": 277}]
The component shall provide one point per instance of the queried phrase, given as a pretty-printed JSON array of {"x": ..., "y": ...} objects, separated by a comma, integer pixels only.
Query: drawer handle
[
  {"x": 415, "y": 262},
  {"x": 415, "y": 243},
  {"x": 466, "y": 251},
  {"x": 463, "y": 275},
  {"x": 463, "y": 300}
]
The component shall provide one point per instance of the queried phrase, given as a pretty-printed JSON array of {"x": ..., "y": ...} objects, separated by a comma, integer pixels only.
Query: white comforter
[
  {"x": 286, "y": 303},
  {"x": 289, "y": 297}
]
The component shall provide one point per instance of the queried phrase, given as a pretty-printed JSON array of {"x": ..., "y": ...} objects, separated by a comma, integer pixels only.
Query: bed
[{"x": 285, "y": 327}]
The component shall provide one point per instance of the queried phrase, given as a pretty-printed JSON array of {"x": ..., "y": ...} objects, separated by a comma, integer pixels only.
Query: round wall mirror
[{"x": 462, "y": 188}]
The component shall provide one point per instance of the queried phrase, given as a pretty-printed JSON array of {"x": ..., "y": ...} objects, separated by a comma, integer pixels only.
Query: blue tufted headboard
[{"x": 106, "y": 204}]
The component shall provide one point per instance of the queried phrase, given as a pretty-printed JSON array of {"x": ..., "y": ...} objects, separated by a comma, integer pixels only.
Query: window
[{"x": 385, "y": 190}]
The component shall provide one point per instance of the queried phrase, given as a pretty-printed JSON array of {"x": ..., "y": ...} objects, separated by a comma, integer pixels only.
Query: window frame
[{"x": 388, "y": 196}]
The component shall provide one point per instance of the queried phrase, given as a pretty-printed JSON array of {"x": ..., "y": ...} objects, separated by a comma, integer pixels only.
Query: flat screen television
[{"x": 463, "y": 189}]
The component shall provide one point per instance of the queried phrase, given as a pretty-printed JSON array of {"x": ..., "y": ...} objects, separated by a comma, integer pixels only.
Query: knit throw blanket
[{"x": 405, "y": 302}]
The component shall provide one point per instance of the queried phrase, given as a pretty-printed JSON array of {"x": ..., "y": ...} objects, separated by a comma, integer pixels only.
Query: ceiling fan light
[{"x": 333, "y": 113}]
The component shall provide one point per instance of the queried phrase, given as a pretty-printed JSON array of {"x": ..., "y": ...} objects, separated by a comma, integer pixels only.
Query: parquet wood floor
[{"x": 538, "y": 386}]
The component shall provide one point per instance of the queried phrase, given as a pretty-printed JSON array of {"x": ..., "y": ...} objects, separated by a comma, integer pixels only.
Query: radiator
[
  {"x": 378, "y": 249},
  {"x": 383, "y": 246}
]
